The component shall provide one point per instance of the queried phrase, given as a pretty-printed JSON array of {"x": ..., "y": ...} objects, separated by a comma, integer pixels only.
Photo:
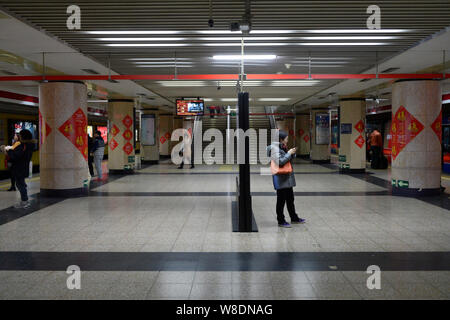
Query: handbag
[{"x": 276, "y": 169}]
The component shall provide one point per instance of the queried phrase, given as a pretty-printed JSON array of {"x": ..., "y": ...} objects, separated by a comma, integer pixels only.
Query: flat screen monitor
[
  {"x": 104, "y": 133},
  {"x": 190, "y": 107}
]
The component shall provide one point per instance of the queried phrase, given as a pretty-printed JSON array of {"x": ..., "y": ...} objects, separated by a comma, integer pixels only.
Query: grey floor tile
[
  {"x": 293, "y": 290},
  {"x": 325, "y": 277},
  {"x": 212, "y": 277},
  {"x": 203, "y": 291},
  {"x": 169, "y": 290},
  {"x": 335, "y": 290},
  {"x": 186, "y": 277}
]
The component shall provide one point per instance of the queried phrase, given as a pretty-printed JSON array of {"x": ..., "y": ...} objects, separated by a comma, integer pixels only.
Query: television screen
[{"x": 190, "y": 107}]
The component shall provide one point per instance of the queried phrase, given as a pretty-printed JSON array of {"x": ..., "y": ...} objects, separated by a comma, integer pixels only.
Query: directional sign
[{"x": 403, "y": 184}]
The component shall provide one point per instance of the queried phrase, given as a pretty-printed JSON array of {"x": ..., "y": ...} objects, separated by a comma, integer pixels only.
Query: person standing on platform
[
  {"x": 91, "y": 155},
  {"x": 15, "y": 143},
  {"x": 376, "y": 145},
  {"x": 284, "y": 180},
  {"x": 98, "y": 150},
  {"x": 20, "y": 158}
]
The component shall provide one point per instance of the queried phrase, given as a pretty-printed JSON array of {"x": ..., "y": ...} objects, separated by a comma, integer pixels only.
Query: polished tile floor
[{"x": 167, "y": 210}]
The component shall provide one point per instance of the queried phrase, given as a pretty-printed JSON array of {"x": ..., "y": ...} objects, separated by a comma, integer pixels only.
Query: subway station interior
[{"x": 136, "y": 175}]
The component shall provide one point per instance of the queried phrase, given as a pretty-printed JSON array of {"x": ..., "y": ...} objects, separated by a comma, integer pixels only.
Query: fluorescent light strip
[
  {"x": 135, "y": 32},
  {"x": 344, "y": 44},
  {"x": 274, "y": 99},
  {"x": 151, "y": 59},
  {"x": 162, "y": 62},
  {"x": 246, "y": 57},
  {"x": 142, "y": 39},
  {"x": 165, "y": 32},
  {"x": 359, "y": 31},
  {"x": 147, "y": 44},
  {"x": 259, "y": 44},
  {"x": 162, "y": 66},
  {"x": 351, "y": 38}
]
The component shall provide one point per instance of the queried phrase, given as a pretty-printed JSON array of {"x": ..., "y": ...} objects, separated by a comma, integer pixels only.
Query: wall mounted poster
[
  {"x": 148, "y": 132},
  {"x": 322, "y": 128}
]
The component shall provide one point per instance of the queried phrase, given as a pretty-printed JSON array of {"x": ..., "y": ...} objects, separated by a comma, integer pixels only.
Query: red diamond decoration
[
  {"x": 114, "y": 130},
  {"x": 437, "y": 126},
  {"x": 301, "y": 132},
  {"x": 306, "y": 138},
  {"x": 127, "y": 121},
  {"x": 43, "y": 132},
  {"x": 113, "y": 144},
  {"x": 404, "y": 129},
  {"x": 162, "y": 140},
  {"x": 291, "y": 132},
  {"x": 128, "y": 148},
  {"x": 75, "y": 129},
  {"x": 167, "y": 135},
  {"x": 127, "y": 134},
  {"x": 359, "y": 126},
  {"x": 360, "y": 141}
]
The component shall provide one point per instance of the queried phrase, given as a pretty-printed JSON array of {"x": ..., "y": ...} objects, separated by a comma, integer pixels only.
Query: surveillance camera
[
  {"x": 211, "y": 23},
  {"x": 89, "y": 94},
  {"x": 219, "y": 87}
]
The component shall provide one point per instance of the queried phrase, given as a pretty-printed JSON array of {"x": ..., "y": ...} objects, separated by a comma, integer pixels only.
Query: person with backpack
[
  {"x": 20, "y": 158},
  {"x": 98, "y": 151},
  {"x": 283, "y": 179}
]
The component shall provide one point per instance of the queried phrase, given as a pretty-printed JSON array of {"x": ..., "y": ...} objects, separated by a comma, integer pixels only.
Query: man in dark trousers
[
  {"x": 376, "y": 145},
  {"x": 90, "y": 155},
  {"x": 20, "y": 158}
]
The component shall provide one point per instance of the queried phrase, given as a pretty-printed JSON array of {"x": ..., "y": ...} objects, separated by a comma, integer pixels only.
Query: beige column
[
  {"x": 416, "y": 137},
  {"x": 352, "y": 145},
  {"x": 320, "y": 137},
  {"x": 165, "y": 132},
  {"x": 121, "y": 153},
  {"x": 150, "y": 150},
  {"x": 63, "y": 139},
  {"x": 303, "y": 134}
]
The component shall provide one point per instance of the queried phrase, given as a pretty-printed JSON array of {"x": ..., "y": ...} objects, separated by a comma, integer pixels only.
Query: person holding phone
[{"x": 284, "y": 180}]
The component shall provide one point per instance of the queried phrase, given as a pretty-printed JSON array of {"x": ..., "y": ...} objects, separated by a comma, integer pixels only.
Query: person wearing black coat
[
  {"x": 90, "y": 155},
  {"x": 20, "y": 159}
]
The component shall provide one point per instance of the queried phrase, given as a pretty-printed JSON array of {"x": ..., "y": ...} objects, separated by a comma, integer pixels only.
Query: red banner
[
  {"x": 127, "y": 134},
  {"x": 437, "y": 126},
  {"x": 44, "y": 130},
  {"x": 127, "y": 121},
  {"x": 75, "y": 129},
  {"x": 360, "y": 141},
  {"x": 404, "y": 129},
  {"x": 113, "y": 144},
  {"x": 359, "y": 126},
  {"x": 128, "y": 148},
  {"x": 114, "y": 130}
]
